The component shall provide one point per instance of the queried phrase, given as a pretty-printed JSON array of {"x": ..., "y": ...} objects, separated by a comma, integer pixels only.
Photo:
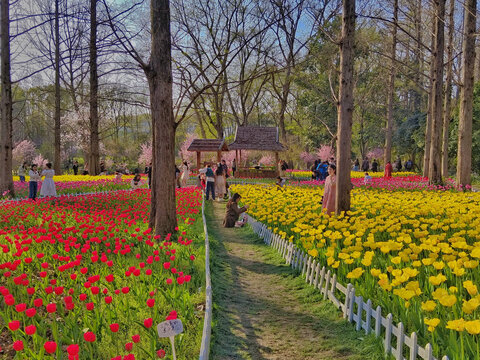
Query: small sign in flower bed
[{"x": 84, "y": 278}]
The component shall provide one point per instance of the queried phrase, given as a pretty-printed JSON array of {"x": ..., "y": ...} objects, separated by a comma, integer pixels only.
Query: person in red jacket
[{"x": 388, "y": 170}]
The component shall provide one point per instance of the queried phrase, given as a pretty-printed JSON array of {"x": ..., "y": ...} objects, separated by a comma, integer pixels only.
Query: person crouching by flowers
[
  {"x": 136, "y": 182},
  {"x": 33, "y": 184},
  {"x": 233, "y": 213},
  {"x": 329, "y": 194}
]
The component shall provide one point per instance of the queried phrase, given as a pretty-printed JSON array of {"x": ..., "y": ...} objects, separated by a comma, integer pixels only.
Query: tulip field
[
  {"x": 84, "y": 278},
  {"x": 78, "y": 184},
  {"x": 414, "y": 252}
]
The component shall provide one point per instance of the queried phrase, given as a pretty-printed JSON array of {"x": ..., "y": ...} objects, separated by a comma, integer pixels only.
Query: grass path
[{"x": 263, "y": 310}]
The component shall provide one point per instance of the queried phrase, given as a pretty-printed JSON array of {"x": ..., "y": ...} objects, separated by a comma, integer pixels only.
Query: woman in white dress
[
  {"x": 48, "y": 185},
  {"x": 220, "y": 183},
  {"x": 185, "y": 174}
]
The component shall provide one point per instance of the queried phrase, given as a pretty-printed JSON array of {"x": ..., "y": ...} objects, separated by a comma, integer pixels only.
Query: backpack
[{"x": 209, "y": 172}]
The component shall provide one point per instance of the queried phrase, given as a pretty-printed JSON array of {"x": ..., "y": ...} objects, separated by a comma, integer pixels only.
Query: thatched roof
[
  {"x": 207, "y": 145},
  {"x": 256, "y": 138}
]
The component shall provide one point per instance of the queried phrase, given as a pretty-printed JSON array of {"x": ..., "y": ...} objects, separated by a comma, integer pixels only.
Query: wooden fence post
[
  {"x": 388, "y": 335},
  {"x": 428, "y": 352},
  {"x": 351, "y": 305},
  {"x": 378, "y": 321},
  {"x": 368, "y": 317},
  {"x": 414, "y": 347},
  {"x": 312, "y": 269},
  {"x": 317, "y": 272},
  {"x": 327, "y": 282},
  {"x": 359, "y": 313},
  {"x": 400, "y": 341},
  {"x": 347, "y": 298}
]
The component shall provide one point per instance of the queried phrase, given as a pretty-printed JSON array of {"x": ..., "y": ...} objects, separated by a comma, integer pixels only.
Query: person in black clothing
[
  {"x": 374, "y": 165},
  {"x": 177, "y": 176},
  {"x": 409, "y": 165},
  {"x": 365, "y": 165},
  {"x": 75, "y": 168},
  {"x": 234, "y": 167},
  {"x": 148, "y": 171},
  {"x": 398, "y": 164}
]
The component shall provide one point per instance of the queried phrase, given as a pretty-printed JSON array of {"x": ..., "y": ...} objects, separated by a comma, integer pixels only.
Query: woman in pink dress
[{"x": 328, "y": 203}]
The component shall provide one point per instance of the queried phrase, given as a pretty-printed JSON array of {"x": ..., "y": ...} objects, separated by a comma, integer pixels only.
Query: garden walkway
[{"x": 263, "y": 310}]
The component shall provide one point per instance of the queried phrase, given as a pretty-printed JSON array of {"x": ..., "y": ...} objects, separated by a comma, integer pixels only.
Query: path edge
[{"x": 207, "y": 322}]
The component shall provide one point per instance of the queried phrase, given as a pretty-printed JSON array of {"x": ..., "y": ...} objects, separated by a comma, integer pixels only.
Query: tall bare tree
[
  {"x": 57, "y": 141},
  {"x": 435, "y": 166},
  {"x": 464, "y": 157},
  {"x": 448, "y": 90},
  {"x": 345, "y": 108},
  {"x": 391, "y": 87},
  {"x": 428, "y": 126},
  {"x": 6, "y": 180},
  {"x": 94, "y": 148}
]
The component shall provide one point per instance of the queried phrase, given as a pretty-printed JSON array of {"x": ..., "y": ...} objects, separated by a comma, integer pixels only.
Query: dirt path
[{"x": 264, "y": 311}]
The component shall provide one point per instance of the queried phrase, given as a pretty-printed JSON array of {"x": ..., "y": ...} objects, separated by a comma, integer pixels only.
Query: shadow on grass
[{"x": 235, "y": 331}]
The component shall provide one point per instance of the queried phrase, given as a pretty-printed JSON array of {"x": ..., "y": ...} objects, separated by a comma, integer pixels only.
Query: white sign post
[{"x": 169, "y": 329}]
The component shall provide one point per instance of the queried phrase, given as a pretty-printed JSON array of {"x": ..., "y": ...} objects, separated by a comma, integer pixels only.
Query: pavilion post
[
  {"x": 198, "y": 160},
  {"x": 276, "y": 162},
  {"x": 219, "y": 156}
]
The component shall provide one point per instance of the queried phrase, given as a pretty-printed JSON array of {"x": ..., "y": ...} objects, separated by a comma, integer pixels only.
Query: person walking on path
[
  {"x": 22, "y": 171},
  {"x": 398, "y": 165},
  {"x": 234, "y": 167},
  {"x": 233, "y": 212},
  {"x": 75, "y": 168},
  {"x": 210, "y": 180},
  {"x": 48, "y": 185},
  {"x": 177, "y": 177},
  {"x": 388, "y": 170},
  {"x": 33, "y": 183},
  {"x": 329, "y": 194},
  {"x": 220, "y": 182},
  {"x": 374, "y": 165},
  {"x": 185, "y": 174},
  {"x": 365, "y": 164}
]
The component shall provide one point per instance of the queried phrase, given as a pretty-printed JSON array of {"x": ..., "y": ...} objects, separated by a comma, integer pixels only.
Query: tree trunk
[
  {"x": 428, "y": 126},
  {"x": 159, "y": 73},
  {"x": 6, "y": 180},
  {"x": 417, "y": 101},
  {"x": 57, "y": 145},
  {"x": 391, "y": 88},
  {"x": 448, "y": 91},
  {"x": 464, "y": 157},
  {"x": 94, "y": 150},
  {"x": 345, "y": 108},
  {"x": 435, "y": 166}
]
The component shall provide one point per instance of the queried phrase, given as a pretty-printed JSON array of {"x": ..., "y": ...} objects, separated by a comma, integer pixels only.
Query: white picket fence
[{"x": 354, "y": 308}]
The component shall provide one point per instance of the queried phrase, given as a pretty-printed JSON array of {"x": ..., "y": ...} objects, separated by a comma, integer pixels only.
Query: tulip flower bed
[
  {"x": 414, "y": 253},
  {"x": 84, "y": 278},
  {"x": 353, "y": 174},
  {"x": 69, "y": 184},
  {"x": 415, "y": 182}
]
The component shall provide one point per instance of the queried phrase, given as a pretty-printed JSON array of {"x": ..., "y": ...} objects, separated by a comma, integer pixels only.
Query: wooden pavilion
[
  {"x": 259, "y": 138},
  {"x": 207, "y": 145}
]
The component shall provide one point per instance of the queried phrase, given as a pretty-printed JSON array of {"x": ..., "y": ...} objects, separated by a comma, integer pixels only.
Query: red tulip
[
  {"x": 136, "y": 338},
  {"x": 31, "y": 312},
  {"x": 128, "y": 346},
  {"x": 50, "y": 347},
  {"x": 30, "y": 329},
  {"x": 151, "y": 303},
  {"x": 14, "y": 325},
  {"x": 89, "y": 336},
  {"x": 114, "y": 327},
  {"x": 51, "y": 308},
  {"x": 18, "y": 345},
  {"x": 172, "y": 315},
  {"x": 161, "y": 353},
  {"x": 148, "y": 323},
  {"x": 73, "y": 349}
]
